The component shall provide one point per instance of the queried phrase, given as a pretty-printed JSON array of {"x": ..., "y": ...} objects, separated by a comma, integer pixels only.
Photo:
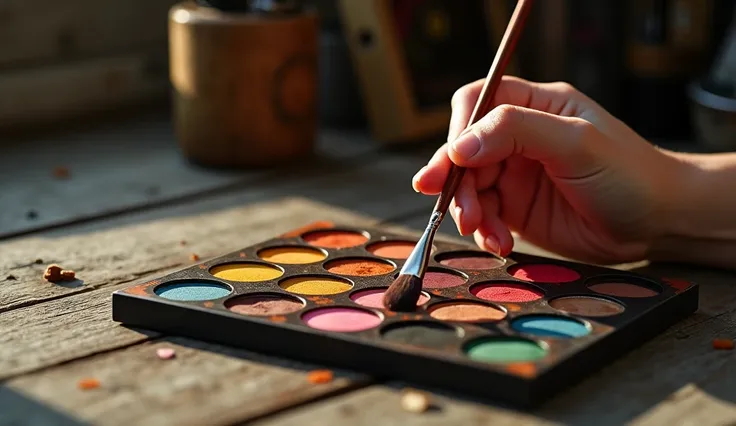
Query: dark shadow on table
[{"x": 17, "y": 409}]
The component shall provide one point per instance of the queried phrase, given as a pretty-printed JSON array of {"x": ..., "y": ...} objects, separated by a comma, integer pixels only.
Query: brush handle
[{"x": 485, "y": 99}]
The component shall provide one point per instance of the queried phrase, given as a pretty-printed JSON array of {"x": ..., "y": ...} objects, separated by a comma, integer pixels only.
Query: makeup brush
[{"x": 404, "y": 292}]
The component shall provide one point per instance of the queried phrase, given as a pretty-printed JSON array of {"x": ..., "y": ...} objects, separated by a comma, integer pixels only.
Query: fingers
[
  {"x": 465, "y": 207},
  {"x": 463, "y": 102},
  {"x": 430, "y": 178},
  {"x": 492, "y": 234},
  {"x": 560, "y": 143}
]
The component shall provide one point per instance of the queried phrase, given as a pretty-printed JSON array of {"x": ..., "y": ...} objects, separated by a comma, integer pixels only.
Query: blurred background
[{"x": 62, "y": 61}]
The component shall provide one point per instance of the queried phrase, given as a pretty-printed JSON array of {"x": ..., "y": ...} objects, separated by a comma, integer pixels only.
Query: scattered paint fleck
[
  {"x": 320, "y": 376},
  {"x": 182, "y": 242},
  {"x": 194, "y": 257},
  {"x": 87, "y": 384},
  {"x": 61, "y": 172},
  {"x": 414, "y": 401},
  {"x": 165, "y": 353},
  {"x": 723, "y": 344}
]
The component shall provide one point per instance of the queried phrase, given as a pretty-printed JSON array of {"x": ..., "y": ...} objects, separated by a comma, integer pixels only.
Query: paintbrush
[{"x": 404, "y": 292}]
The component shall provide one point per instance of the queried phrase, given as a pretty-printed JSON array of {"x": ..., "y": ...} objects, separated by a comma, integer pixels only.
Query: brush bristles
[{"x": 403, "y": 293}]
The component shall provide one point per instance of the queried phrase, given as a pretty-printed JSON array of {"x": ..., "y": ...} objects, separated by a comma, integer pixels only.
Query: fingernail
[
  {"x": 417, "y": 177},
  {"x": 458, "y": 218},
  {"x": 467, "y": 145},
  {"x": 492, "y": 245}
]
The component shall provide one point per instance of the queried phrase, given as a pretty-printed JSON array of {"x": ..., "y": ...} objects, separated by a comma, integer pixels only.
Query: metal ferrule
[{"x": 417, "y": 261}]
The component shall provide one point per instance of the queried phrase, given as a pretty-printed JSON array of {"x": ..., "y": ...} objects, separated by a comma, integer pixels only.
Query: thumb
[{"x": 565, "y": 145}]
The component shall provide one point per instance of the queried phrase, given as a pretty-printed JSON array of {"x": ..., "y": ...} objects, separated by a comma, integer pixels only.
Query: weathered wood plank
[
  {"x": 102, "y": 183},
  {"x": 33, "y": 31},
  {"x": 60, "y": 330},
  {"x": 204, "y": 384},
  {"x": 39, "y": 95},
  {"x": 620, "y": 393},
  {"x": 132, "y": 253}
]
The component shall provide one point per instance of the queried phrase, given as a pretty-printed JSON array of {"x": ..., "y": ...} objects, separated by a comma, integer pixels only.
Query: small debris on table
[
  {"x": 61, "y": 172},
  {"x": 414, "y": 401},
  {"x": 723, "y": 344},
  {"x": 165, "y": 353},
  {"x": 182, "y": 242},
  {"x": 11, "y": 278},
  {"x": 319, "y": 377},
  {"x": 89, "y": 383},
  {"x": 54, "y": 273},
  {"x": 31, "y": 215},
  {"x": 194, "y": 257},
  {"x": 38, "y": 261}
]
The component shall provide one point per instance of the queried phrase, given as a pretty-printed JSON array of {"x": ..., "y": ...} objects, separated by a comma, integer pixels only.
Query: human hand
[{"x": 552, "y": 165}]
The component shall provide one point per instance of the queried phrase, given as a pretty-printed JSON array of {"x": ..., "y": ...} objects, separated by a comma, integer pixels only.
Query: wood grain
[
  {"x": 101, "y": 183},
  {"x": 203, "y": 384},
  {"x": 48, "y": 31},
  {"x": 47, "y": 94}
]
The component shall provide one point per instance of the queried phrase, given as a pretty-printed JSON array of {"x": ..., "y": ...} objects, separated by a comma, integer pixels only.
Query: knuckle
[
  {"x": 464, "y": 92},
  {"x": 583, "y": 133},
  {"x": 506, "y": 116},
  {"x": 564, "y": 87}
]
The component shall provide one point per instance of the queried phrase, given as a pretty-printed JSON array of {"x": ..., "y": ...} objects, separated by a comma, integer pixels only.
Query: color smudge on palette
[{"x": 527, "y": 324}]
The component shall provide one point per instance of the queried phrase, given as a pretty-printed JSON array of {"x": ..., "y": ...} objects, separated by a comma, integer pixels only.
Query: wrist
[{"x": 698, "y": 218}]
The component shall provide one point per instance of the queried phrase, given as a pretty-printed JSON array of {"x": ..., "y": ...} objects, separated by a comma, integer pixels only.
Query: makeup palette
[{"x": 517, "y": 330}]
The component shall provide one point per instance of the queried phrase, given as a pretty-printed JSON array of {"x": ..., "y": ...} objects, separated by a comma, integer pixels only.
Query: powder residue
[
  {"x": 466, "y": 312},
  {"x": 373, "y": 298},
  {"x": 359, "y": 267},
  {"x": 623, "y": 290},
  {"x": 473, "y": 262},
  {"x": 291, "y": 255},
  {"x": 264, "y": 305},
  {"x": 586, "y": 306},
  {"x": 435, "y": 280},
  {"x": 335, "y": 239},
  {"x": 516, "y": 293},
  {"x": 392, "y": 249},
  {"x": 246, "y": 272},
  {"x": 315, "y": 285}
]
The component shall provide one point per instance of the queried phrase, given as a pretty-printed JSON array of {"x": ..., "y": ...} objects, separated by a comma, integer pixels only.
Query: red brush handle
[{"x": 488, "y": 93}]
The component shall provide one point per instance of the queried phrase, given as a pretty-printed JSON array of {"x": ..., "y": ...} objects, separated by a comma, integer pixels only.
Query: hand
[{"x": 553, "y": 166}]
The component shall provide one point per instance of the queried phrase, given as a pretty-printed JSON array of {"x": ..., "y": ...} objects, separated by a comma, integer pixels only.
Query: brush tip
[{"x": 403, "y": 293}]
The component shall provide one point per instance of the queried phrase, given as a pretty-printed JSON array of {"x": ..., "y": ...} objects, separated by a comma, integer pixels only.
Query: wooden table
[{"x": 119, "y": 219}]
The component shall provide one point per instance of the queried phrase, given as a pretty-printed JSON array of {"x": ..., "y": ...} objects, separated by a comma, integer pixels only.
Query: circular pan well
[
  {"x": 543, "y": 273},
  {"x": 555, "y": 326},
  {"x": 335, "y": 238},
  {"x": 587, "y": 306},
  {"x": 264, "y": 304},
  {"x": 466, "y": 311},
  {"x": 506, "y": 292},
  {"x": 469, "y": 259},
  {"x": 439, "y": 278},
  {"x": 316, "y": 285},
  {"x": 248, "y": 272},
  {"x": 623, "y": 286},
  {"x": 342, "y": 319},
  {"x": 292, "y": 255},
  {"x": 422, "y": 333},
  {"x": 373, "y": 297},
  {"x": 359, "y": 267},
  {"x": 392, "y": 249},
  {"x": 504, "y": 350},
  {"x": 192, "y": 290}
]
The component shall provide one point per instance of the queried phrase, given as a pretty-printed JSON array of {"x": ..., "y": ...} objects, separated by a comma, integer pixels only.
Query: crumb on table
[
  {"x": 194, "y": 257},
  {"x": 55, "y": 273},
  {"x": 165, "y": 353},
  {"x": 61, "y": 172},
  {"x": 414, "y": 401}
]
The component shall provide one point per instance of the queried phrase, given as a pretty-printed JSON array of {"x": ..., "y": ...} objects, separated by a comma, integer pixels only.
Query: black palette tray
[{"x": 529, "y": 352}]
